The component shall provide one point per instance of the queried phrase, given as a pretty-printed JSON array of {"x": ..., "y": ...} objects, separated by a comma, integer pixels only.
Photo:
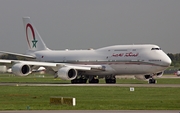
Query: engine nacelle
[
  {"x": 67, "y": 73},
  {"x": 21, "y": 69}
]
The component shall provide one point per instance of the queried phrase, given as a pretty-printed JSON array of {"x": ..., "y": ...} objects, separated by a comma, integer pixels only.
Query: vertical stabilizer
[{"x": 34, "y": 40}]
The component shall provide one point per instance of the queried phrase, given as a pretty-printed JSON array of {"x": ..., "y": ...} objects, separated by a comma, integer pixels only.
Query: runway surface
[
  {"x": 94, "y": 111},
  {"x": 117, "y": 85}
]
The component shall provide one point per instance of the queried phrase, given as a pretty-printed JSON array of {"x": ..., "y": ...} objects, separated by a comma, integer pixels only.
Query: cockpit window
[{"x": 156, "y": 49}]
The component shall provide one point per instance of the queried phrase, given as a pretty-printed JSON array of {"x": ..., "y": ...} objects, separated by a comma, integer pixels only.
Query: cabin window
[
  {"x": 120, "y": 50},
  {"x": 154, "y": 60}
]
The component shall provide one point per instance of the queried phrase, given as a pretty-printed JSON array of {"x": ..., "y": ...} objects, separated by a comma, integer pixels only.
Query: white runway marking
[{"x": 117, "y": 85}]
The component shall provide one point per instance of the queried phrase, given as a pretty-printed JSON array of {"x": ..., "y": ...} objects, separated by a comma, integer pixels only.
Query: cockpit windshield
[{"x": 156, "y": 49}]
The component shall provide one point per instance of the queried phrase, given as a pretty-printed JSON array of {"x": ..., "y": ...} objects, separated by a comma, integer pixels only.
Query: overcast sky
[{"x": 83, "y": 24}]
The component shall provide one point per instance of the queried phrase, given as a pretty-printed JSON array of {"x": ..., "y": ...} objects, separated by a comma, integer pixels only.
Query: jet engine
[
  {"x": 20, "y": 69},
  {"x": 147, "y": 77},
  {"x": 67, "y": 73}
]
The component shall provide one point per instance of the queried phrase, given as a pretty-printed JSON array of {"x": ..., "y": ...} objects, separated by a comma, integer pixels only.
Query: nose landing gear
[{"x": 152, "y": 80}]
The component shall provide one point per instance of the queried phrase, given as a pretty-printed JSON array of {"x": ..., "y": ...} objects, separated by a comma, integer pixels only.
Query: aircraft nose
[{"x": 167, "y": 61}]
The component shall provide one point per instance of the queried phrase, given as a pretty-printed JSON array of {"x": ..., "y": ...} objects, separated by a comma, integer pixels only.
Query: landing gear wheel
[
  {"x": 152, "y": 81},
  {"x": 94, "y": 81},
  {"x": 110, "y": 79},
  {"x": 78, "y": 81},
  {"x": 81, "y": 79}
]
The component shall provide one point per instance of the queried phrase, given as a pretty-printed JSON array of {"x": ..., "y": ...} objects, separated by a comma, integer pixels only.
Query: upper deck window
[
  {"x": 120, "y": 50},
  {"x": 156, "y": 49}
]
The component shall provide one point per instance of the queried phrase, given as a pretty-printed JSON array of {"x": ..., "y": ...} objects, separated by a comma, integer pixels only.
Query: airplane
[{"x": 144, "y": 61}]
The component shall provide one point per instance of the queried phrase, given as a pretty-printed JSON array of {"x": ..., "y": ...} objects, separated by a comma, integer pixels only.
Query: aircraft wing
[
  {"x": 54, "y": 66},
  {"x": 45, "y": 64},
  {"x": 65, "y": 71},
  {"x": 17, "y": 54}
]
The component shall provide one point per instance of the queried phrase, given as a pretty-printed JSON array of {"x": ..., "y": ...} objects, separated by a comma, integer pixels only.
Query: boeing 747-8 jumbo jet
[{"x": 143, "y": 61}]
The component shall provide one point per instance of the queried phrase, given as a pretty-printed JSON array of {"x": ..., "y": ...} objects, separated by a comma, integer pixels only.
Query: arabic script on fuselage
[{"x": 129, "y": 54}]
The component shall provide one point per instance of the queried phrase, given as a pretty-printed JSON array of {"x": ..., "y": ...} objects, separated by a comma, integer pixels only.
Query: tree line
[{"x": 175, "y": 59}]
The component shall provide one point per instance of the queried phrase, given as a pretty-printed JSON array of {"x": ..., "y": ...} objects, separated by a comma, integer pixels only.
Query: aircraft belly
[
  {"x": 121, "y": 69},
  {"x": 133, "y": 69}
]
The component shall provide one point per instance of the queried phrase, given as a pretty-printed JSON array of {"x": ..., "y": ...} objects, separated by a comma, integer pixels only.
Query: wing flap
[
  {"x": 5, "y": 61},
  {"x": 17, "y": 54},
  {"x": 83, "y": 67},
  {"x": 28, "y": 62},
  {"x": 77, "y": 67}
]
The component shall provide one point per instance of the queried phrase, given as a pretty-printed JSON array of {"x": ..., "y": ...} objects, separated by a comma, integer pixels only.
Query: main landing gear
[
  {"x": 79, "y": 80},
  {"x": 110, "y": 79},
  {"x": 83, "y": 79},
  {"x": 93, "y": 79}
]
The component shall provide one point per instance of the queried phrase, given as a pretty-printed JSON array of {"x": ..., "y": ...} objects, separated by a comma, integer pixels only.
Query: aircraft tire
[
  {"x": 110, "y": 81},
  {"x": 78, "y": 81},
  {"x": 152, "y": 81},
  {"x": 94, "y": 81}
]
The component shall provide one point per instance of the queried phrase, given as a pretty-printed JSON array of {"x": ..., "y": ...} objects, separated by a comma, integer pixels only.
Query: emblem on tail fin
[{"x": 34, "y": 41}]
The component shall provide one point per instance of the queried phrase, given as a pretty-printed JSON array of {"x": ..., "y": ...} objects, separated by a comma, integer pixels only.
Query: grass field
[{"x": 88, "y": 98}]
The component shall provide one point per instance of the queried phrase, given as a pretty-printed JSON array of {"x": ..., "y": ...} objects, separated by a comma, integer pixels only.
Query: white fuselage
[{"x": 118, "y": 60}]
